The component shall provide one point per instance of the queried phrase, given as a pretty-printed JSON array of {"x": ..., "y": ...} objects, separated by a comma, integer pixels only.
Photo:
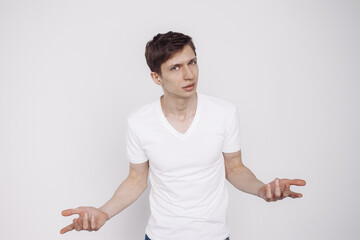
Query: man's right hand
[{"x": 90, "y": 219}]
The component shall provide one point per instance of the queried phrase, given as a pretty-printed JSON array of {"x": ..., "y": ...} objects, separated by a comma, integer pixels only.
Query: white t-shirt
[{"x": 188, "y": 196}]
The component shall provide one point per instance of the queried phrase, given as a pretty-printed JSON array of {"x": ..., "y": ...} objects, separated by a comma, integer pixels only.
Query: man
[{"x": 188, "y": 143}]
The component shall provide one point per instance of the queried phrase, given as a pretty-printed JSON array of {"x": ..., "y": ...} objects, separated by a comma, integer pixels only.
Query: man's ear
[{"x": 156, "y": 78}]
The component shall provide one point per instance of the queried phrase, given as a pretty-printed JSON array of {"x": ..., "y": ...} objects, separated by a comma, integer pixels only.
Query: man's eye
[
  {"x": 193, "y": 62},
  {"x": 175, "y": 68}
]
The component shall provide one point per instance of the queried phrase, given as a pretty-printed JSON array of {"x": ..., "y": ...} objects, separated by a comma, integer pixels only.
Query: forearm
[
  {"x": 243, "y": 179},
  {"x": 128, "y": 191}
]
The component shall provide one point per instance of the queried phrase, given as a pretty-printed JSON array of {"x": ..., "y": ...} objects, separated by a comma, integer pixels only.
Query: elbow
[
  {"x": 231, "y": 171},
  {"x": 228, "y": 174},
  {"x": 138, "y": 182},
  {"x": 144, "y": 186}
]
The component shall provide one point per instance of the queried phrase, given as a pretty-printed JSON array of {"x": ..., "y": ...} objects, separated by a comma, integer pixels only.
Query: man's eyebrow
[
  {"x": 179, "y": 64},
  {"x": 174, "y": 65},
  {"x": 195, "y": 58}
]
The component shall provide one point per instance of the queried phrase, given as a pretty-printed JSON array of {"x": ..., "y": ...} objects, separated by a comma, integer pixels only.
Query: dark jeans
[{"x": 147, "y": 238}]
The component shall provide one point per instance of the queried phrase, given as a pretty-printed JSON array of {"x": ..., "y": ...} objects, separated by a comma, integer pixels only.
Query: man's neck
[{"x": 179, "y": 108}]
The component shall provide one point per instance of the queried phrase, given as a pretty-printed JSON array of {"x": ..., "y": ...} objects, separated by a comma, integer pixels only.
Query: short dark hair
[{"x": 163, "y": 46}]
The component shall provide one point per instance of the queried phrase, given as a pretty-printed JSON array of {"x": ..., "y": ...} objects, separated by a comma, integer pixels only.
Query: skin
[
  {"x": 92, "y": 219},
  {"x": 243, "y": 179},
  {"x": 179, "y": 107}
]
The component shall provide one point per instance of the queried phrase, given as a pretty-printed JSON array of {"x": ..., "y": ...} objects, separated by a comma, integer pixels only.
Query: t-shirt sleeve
[
  {"x": 135, "y": 152},
  {"x": 232, "y": 132}
]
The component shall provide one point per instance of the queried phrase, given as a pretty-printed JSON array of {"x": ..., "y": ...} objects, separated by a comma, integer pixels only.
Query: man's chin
[{"x": 184, "y": 94}]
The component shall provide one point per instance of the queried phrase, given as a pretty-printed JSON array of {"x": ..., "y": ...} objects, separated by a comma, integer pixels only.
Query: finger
[
  {"x": 268, "y": 193},
  {"x": 76, "y": 224},
  {"x": 69, "y": 212},
  {"x": 69, "y": 227},
  {"x": 295, "y": 195},
  {"x": 93, "y": 225},
  {"x": 297, "y": 182},
  {"x": 277, "y": 189},
  {"x": 286, "y": 190},
  {"x": 85, "y": 221}
]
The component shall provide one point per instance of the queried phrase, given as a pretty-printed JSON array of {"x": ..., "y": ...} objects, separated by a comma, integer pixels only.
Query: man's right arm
[{"x": 129, "y": 190}]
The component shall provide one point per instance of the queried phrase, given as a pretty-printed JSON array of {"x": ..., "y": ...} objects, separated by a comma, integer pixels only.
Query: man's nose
[{"x": 187, "y": 73}]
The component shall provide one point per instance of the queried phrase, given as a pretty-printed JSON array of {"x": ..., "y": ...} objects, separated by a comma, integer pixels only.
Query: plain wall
[{"x": 71, "y": 72}]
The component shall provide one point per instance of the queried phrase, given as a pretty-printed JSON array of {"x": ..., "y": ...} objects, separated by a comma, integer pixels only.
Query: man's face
[{"x": 179, "y": 74}]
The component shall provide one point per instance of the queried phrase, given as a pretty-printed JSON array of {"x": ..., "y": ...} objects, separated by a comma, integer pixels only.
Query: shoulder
[
  {"x": 218, "y": 104},
  {"x": 142, "y": 114}
]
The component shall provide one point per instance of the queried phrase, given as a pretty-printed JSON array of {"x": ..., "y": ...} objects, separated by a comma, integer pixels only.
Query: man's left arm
[{"x": 243, "y": 179}]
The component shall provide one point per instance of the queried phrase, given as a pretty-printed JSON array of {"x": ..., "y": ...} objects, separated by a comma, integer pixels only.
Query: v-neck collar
[{"x": 193, "y": 124}]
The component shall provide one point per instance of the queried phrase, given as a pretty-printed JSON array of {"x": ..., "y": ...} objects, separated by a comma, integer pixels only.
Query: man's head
[
  {"x": 164, "y": 46},
  {"x": 173, "y": 63}
]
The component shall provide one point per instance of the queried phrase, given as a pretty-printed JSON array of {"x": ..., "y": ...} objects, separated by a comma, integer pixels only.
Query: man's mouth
[{"x": 189, "y": 85}]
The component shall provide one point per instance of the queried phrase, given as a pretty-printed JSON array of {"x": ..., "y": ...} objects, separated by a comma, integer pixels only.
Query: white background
[{"x": 71, "y": 71}]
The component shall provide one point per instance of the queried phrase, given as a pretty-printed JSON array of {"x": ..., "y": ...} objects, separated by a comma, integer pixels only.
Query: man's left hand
[{"x": 280, "y": 189}]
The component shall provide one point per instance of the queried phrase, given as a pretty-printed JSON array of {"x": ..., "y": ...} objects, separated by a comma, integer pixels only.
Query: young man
[{"x": 188, "y": 144}]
